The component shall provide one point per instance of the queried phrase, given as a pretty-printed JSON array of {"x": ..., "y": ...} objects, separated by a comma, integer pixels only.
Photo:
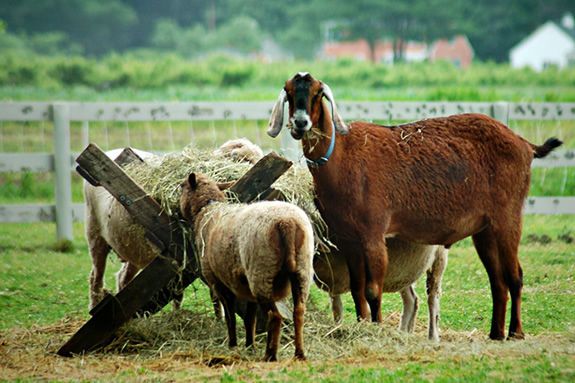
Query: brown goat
[{"x": 434, "y": 181}]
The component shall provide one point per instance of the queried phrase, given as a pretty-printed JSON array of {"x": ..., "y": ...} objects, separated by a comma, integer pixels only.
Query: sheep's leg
[
  {"x": 434, "y": 277},
  {"x": 250, "y": 323},
  {"x": 274, "y": 328},
  {"x": 299, "y": 296},
  {"x": 99, "y": 250},
  {"x": 336, "y": 308},
  {"x": 376, "y": 265},
  {"x": 228, "y": 300},
  {"x": 125, "y": 275},
  {"x": 218, "y": 309},
  {"x": 486, "y": 245},
  {"x": 410, "y": 306}
]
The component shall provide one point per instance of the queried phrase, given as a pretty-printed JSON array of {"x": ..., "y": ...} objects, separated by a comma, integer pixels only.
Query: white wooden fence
[{"x": 61, "y": 160}]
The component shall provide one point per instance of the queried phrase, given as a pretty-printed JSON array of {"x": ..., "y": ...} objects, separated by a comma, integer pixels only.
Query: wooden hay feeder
[{"x": 156, "y": 285}]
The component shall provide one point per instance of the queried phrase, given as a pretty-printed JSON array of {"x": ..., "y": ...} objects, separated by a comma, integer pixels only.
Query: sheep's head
[
  {"x": 198, "y": 191},
  {"x": 304, "y": 95}
]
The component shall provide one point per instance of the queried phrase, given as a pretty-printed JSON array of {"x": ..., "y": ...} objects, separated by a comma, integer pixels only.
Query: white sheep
[
  {"x": 406, "y": 263},
  {"x": 240, "y": 149},
  {"x": 254, "y": 253},
  {"x": 110, "y": 226}
]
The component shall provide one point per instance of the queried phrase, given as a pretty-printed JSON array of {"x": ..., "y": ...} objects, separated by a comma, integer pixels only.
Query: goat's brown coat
[{"x": 434, "y": 181}]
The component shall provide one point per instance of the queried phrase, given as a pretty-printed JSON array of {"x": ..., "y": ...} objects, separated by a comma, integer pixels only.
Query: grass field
[{"x": 44, "y": 299}]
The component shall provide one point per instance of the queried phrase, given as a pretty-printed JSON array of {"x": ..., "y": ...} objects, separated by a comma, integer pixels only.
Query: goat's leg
[
  {"x": 356, "y": 267},
  {"x": 99, "y": 250},
  {"x": 299, "y": 295},
  {"x": 336, "y": 308},
  {"x": 274, "y": 328},
  {"x": 512, "y": 275},
  {"x": 218, "y": 308},
  {"x": 486, "y": 245},
  {"x": 228, "y": 300},
  {"x": 250, "y": 323},
  {"x": 433, "y": 284},
  {"x": 410, "y": 306},
  {"x": 376, "y": 265}
]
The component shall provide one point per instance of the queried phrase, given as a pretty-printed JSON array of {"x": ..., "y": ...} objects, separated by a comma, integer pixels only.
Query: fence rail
[{"x": 61, "y": 114}]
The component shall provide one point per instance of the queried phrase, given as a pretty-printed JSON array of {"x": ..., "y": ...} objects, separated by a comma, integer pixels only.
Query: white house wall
[{"x": 549, "y": 44}]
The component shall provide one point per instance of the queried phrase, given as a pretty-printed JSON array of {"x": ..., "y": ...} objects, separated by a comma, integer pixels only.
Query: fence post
[
  {"x": 62, "y": 168},
  {"x": 500, "y": 111}
]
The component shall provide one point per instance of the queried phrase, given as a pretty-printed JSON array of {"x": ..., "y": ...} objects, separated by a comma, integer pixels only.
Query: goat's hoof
[
  {"x": 516, "y": 336},
  {"x": 496, "y": 336}
]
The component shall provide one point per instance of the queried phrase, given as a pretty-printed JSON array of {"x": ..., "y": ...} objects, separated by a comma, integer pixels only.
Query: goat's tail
[{"x": 543, "y": 150}]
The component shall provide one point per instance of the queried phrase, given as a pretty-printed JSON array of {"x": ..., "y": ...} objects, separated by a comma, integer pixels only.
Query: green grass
[{"x": 41, "y": 287}]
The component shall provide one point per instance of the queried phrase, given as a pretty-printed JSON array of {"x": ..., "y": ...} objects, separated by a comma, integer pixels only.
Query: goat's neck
[{"x": 316, "y": 142}]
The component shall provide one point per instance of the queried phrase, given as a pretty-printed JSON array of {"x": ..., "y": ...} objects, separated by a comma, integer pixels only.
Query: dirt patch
[{"x": 186, "y": 345}]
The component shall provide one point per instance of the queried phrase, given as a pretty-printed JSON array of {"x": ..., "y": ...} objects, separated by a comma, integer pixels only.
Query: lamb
[
  {"x": 240, "y": 149},
  {"x": 434, "y": 181},
  {"x": 253, "y": 253},
  {"x": 407, "y": 262}
]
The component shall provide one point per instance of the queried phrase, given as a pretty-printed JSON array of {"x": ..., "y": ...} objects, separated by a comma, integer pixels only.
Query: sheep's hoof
[
  {"x": 270, "y": 358},
  {"x": 300, "y": 355}
]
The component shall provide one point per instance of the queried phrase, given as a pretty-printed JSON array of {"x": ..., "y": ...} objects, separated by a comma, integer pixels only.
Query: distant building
[
  {"x": 458, "y": 51},
  {"x": 551, "y": 44}
]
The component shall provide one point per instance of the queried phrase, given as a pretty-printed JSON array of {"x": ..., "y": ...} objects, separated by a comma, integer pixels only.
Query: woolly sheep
[{"x": 253, "y": 253}]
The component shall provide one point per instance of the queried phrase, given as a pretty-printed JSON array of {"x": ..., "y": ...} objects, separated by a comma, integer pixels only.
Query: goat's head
[
  {"x": 304, "y": 95},
  {"x": 198, "y": 191}
]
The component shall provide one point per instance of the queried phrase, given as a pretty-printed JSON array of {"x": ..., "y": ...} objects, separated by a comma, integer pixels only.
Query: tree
[{"x": 398, "y": 21}]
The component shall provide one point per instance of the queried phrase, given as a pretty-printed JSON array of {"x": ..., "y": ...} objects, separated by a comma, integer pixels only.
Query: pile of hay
[{"x": 161, "y": 177}]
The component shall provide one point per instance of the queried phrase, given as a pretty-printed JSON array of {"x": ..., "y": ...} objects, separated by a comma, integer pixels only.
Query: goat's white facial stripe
[
  {"x": 300, "y": 115},
  {"x": 302, "y": 74}
]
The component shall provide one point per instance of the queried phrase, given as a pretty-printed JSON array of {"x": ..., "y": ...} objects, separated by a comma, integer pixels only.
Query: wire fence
[{"x": 42, "y": 137}]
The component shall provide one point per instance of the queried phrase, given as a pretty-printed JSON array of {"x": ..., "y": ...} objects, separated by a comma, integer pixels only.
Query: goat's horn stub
[
  {"x": 340, "y": 125},
  {"x": 277, "y": 117}
]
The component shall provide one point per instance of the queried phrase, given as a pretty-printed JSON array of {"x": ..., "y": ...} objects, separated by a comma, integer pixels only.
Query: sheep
[
  {"x": 407, "y": 262},
  {"x": 253, "y": 253},
  {"x": 240, "y": 149},
  {"x": 434, "y": 181},
  {"x": 110, "y": 226}
]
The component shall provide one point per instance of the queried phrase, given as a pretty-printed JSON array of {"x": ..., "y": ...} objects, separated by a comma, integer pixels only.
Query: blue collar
[{"x": 323, "y": 160}]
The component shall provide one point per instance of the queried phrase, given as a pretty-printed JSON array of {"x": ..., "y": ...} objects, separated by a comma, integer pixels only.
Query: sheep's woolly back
[
  {"x": 240, "y": 149},
  {"x": 255, "y": 240}
]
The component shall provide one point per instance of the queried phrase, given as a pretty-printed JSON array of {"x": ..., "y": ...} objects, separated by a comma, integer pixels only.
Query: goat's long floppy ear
[
  {"x": 192, "y": 181},
  {"x": 277, "y": 117},
  {"x": 340, "y": 125}
]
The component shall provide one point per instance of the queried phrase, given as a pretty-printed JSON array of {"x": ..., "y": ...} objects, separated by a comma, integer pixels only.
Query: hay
[{"x": 162, "y": 177}]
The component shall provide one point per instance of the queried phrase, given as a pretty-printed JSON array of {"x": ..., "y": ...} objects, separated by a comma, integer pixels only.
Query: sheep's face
[
  {"x": 198, "y": 191},
  {"x": 304, "y": 95}
]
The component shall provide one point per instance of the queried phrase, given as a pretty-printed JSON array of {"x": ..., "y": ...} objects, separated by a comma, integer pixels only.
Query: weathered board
[{"x": 155, "y": 285}]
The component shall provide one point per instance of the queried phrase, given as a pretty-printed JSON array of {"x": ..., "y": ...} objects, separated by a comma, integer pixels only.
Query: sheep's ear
[
  {"x": 225, "y": 185},
  {"x": 277, "y": 117},
  {"x": 340, "y": 125},
  {"x": 192, "y": 181}
]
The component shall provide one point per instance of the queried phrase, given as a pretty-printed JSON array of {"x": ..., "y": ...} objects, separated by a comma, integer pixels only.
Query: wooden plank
[
  {"x": 259, "y": 178},
  {"x": 542, "y": 111},
  {"x": 549, "y": 205},
  {"x": 156, "y": 284},
  {"x": 23, "y": 213},
  {"x": 25, "y": 111}
]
